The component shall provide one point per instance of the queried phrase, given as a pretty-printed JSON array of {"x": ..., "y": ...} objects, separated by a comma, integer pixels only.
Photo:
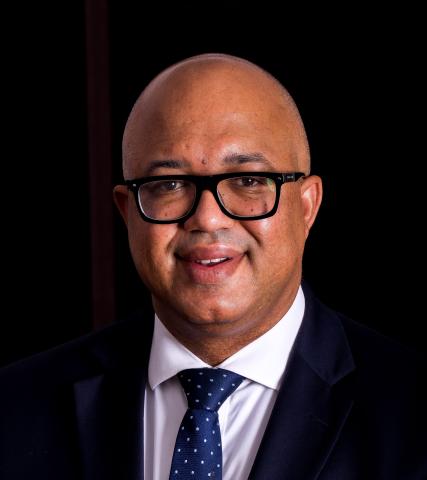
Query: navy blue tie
[{"x": 198, "y": 451}]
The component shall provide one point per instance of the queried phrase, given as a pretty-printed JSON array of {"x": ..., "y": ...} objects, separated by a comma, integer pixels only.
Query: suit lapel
[
  {"x": 109, "y": 409},
  {"x": 110, "y": 426},
  {"x": 313, "y": 403}
]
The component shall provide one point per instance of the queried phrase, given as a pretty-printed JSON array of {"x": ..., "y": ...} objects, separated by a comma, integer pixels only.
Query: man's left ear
[
  {"x": 121, "y": 199},
  {"x": 311, "y": 198}
]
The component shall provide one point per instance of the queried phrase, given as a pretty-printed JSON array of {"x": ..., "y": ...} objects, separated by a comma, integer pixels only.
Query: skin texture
[{"x": 206, "y": 115}]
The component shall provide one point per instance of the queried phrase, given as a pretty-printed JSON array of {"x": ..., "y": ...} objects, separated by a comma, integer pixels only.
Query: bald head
[{"x": 202, "y": 99}]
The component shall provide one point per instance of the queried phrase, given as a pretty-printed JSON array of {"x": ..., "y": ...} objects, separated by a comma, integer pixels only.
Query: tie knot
[{"x": 208, "y": 388}]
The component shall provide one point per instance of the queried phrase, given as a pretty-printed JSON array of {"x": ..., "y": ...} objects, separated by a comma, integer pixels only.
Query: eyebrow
[
  {"x": 231, "y": 159},
  {"x": 242, "y": 158},
  {"x": 156, "y": 164}
]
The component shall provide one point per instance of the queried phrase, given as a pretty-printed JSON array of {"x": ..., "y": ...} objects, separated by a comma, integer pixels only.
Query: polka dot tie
[{"x": 198, "y": 451}]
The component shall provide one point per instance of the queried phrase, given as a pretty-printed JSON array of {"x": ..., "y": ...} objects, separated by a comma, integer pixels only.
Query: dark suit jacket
[{"x": 348, "y": 408}]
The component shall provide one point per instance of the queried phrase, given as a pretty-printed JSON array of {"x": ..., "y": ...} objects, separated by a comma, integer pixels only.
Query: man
[{"x": 218, "y": 203}]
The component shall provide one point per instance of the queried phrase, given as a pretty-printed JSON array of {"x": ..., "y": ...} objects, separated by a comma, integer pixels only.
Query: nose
[{"x": 208, "y": 217}]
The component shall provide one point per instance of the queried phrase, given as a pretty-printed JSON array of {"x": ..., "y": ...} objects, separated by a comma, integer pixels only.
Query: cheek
[
  {"x": 150, "y": 245},
  {"x": 280, "y": 237}
]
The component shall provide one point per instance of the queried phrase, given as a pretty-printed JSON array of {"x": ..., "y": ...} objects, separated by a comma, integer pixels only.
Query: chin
[
  {"x": 213, "y": 312},
  {"x": 205, "y": 306}
]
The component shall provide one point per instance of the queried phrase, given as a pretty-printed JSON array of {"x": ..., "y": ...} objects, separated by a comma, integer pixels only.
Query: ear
[
  {"x": 311, "y": 198},
  {"x": 121, "y": 199}
]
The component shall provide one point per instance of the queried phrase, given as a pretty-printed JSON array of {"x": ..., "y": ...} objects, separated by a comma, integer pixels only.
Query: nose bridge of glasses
[
  {"x": 206, "y": 183},
  {"x": 210, "y": 184}
]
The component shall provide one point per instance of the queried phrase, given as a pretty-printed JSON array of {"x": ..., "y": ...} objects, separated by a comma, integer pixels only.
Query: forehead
[
  {"x": 212, "y": 150},
  {"x": 207, "y": 121}
]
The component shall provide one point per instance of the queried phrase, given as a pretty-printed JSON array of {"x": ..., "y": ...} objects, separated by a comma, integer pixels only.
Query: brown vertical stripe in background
[{"x": 100, "y": 166}]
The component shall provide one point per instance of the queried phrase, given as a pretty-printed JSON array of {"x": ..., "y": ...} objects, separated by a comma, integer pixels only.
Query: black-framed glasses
[{"x": 240, "y": 195}]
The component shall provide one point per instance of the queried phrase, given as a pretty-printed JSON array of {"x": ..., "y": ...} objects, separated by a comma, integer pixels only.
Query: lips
[{"x": 211, "y": 264}]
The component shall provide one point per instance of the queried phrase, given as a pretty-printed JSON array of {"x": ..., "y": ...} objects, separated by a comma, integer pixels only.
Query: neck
[{"x": 214, "y": 351}]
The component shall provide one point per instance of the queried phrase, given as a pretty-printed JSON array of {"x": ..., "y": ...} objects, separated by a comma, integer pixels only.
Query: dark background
[{"x": 358, "y": 78}]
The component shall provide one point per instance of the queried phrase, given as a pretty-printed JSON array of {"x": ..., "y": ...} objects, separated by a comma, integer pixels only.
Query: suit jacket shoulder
[
  {"x": 350, "y": 407},
  {"x": 45, "y": 399}
]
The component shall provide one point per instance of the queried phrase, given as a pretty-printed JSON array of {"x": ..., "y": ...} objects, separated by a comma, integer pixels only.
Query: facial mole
[{"x": 204, "y": 161}]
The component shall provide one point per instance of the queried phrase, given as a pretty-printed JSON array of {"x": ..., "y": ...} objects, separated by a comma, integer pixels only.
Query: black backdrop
[{"x": 358, "y": 79}]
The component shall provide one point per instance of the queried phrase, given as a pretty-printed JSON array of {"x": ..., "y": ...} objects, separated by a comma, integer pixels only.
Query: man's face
[{"x": 258, "y": 279}]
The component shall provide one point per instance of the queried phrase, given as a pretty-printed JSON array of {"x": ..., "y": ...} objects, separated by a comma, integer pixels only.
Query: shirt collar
[{"x": 263, "y": 360}]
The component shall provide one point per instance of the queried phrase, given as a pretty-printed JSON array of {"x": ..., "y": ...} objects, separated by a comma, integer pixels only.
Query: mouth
[{"x": 211, "y": 264}]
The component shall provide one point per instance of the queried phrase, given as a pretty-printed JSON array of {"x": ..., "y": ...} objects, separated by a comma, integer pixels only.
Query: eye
[
  {"x": 251, "y": 182},
  {"x": 170, "y": 185},
  {"x": 247, "y": 181},
  {"x": 164, "y": 186}
]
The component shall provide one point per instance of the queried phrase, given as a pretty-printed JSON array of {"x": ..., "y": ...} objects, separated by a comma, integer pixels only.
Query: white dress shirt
[{"x": 243, "y": 416}]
